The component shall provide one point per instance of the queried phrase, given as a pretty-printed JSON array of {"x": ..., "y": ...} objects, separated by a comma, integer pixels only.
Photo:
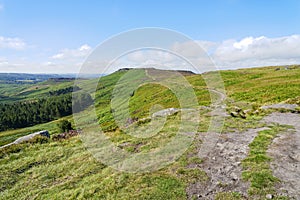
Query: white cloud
[
  {"x": 185, "y": 56},
  {"x": 17, "y": 66},
  {"x": 246, "y": 52},
  {"x": 12, "y": 43},
  {"x": 3, "y": 61},
  {"x": 80, "y": 52},
  {"x": 48, "y": 64},
  {"x": 207, "y": 46},
  {"x": 258, "y": 51}
]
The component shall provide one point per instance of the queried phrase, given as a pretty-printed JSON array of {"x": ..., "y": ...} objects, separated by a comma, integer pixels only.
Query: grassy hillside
[
  {"x": 263, "y": 85},
  {"x": 65, "y": 170},
  {"x": 17, "y": 92}
]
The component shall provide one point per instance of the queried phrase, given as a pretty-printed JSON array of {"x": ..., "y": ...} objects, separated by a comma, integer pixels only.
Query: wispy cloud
[
  {"x": 65, "y": 61},
  {"x": 12, "y": 43},
  {"x": 3, "y": 61},
  {"x": 1, "y": 7},
  {"x": 80, "y": 52}
]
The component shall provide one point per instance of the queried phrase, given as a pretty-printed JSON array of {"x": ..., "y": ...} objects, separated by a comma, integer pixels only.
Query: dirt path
[
  {"x": 223, "y": 166},
  {"x": 285, "y": 151},
  {"x": 223, "y": 162}
]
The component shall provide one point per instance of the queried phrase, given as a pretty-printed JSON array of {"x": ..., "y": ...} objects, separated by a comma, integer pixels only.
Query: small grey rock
[
  {"x": 269, "y": 196},
  {"x": 237, "y": 109}
]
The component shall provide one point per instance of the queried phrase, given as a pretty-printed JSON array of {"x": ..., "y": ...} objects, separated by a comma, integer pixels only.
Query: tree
[
  {"x": 64, "y": 126},
  {"x": 31, "y": 112}
]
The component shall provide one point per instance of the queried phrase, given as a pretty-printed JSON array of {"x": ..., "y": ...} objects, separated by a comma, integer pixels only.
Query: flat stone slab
[
  {"x": 25, "y": 138},
  {"x": 285, "y": 151},
  {"x": 280, "y": 106}
]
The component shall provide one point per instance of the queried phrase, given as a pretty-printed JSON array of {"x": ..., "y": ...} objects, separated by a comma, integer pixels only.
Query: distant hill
[{"x": 22, "y": 78}]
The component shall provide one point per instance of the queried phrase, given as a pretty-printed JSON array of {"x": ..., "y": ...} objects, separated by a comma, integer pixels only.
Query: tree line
[
  {"x": 29, "y": 113},
  {"x": 64, "y": 91}
]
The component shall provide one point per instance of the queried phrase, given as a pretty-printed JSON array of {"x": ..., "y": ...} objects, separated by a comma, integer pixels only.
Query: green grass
[
  {"x": 262, "y": 85},
  {"x": 257, "y": 165},
  {"x": 17, "y": 92},
  {"x": 232, "y": 124},
  {"x": 228, "y": 196},
  {"x": 11, "y": 135},
  {"x": 65, "y": 170}
]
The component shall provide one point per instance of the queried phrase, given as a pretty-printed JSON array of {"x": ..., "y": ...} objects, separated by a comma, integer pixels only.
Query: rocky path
[
  {"x": 223, "y": 162},
  {"x": 285, "y": 151},
  {"x": 223, "y": 166}
]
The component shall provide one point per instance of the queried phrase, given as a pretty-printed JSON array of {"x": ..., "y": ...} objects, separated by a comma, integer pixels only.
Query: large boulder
[
  {"x": 26, "y": 138},
  {"x": 165, "y": 112},
  {"x": 31, "y": 136}
]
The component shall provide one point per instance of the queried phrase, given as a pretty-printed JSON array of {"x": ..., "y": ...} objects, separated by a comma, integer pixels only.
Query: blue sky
[{"x": 34, "y": 33}]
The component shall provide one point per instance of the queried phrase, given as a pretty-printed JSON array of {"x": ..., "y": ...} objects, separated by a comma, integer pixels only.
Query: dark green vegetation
[
  {"x": 32, "y": 112},
  {"x": 64, "y": 91},
  {"x": 64, "y": 126},
  {"x": 11, "y": 135},
  {"x": 65, "y": 170},
  {"x": 29, "y": 113}
]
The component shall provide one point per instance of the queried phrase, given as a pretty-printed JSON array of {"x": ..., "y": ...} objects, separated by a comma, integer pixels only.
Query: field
[{"x": 65, "y": 170}]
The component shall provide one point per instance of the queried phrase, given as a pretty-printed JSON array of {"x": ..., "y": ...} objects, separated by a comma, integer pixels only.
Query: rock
[
  {"x": 165, "y": 112},
  {"x": 248, "y": 111},
  {"x": 234, "y": 114},
  {"x": 242, "y": 114},
  {"x": 291, "y": 107},
  {"x": 31, "y": 136},
  {"x": 26, "y": 138},
  {"x": 171, "y": 111},
  {"x": 237, "y": 109},
  {"x": 238, "y": 112},
  {"x": 234, "y": 176},
  {"x": 269, "y": 196},
  {"x": 256, "y": 112},
  {"x": 222, "y": 165},
  {"x": 285, "y": 152}
]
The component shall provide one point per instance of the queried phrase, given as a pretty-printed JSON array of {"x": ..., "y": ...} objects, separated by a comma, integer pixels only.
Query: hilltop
[{"x": 244, "y": 164}]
